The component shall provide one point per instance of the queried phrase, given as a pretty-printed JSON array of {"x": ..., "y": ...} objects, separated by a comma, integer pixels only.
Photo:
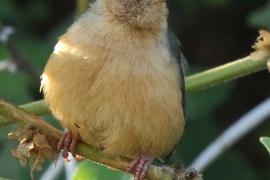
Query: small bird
[{"x": 114, "y": 80}]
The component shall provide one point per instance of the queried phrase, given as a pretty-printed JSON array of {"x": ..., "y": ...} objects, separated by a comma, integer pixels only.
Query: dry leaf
[
  {"x": 40, "y": 141},
  {"x": 34, "y": 146}
]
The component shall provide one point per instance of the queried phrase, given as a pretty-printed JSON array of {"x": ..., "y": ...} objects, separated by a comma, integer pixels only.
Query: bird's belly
[{"x": 124, "y": 110}]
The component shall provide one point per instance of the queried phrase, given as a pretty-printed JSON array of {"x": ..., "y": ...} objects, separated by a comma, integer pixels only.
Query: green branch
[
  {"x": 37, "y": 107},
  {"x": 224, "y": 73}
]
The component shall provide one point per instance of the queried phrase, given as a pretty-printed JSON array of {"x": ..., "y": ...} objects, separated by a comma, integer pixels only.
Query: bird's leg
[
  {"x": 139, "y": 166},
  {"x": 68, "y": 143}
]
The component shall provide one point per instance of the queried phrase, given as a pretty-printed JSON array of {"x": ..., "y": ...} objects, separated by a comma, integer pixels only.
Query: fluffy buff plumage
[{"x": 112, "y": 79}]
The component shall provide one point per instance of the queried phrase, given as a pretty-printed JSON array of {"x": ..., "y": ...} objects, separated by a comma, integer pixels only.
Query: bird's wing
[{"x": 175, "y": 49}]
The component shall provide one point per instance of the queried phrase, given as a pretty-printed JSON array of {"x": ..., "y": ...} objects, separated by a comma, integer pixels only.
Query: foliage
[
  {"x": 33, "y": 146},
  {"x": 266, "y": 142}
]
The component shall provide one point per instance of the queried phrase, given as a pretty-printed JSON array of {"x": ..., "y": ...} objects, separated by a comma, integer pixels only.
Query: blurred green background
[{"x": 212, "y": 32}]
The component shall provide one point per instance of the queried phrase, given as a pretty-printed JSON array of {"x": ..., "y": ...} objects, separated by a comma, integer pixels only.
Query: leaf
[
  {"x": 40, "y": 141},
  {"x": 34, "y": 146},
  {"x": 266, "y": 142}
]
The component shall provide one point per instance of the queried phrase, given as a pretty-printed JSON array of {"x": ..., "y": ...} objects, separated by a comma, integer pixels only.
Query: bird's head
[{"x": 144, "y": 14}]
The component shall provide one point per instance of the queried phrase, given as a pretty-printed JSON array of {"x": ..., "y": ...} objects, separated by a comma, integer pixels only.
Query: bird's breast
[{"x": 126, "y": 99}]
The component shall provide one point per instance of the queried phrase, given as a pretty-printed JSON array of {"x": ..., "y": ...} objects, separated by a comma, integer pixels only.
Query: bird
[{"x": 115, "y": 81}]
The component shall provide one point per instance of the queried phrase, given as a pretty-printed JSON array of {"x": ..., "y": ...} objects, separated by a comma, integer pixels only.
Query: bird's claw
[
  {"x": 139, "y": 166},
  {"x": 68, "y": 143}
]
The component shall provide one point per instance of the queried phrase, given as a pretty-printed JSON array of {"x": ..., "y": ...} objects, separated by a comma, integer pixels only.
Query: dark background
[{"x": 212, "y": 33}]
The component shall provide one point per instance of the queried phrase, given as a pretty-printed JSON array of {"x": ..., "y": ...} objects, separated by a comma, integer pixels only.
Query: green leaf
[{"x": 266, "y": 142}]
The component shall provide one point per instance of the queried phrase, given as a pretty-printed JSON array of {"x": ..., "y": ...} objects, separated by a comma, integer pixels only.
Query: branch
[
  {"x": 16, "y": 114},
  {"x": 226, "y": 72},
  {"x": 37, "y": 107}
]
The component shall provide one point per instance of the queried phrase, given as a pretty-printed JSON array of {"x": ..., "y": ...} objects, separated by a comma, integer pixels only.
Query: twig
[
  {"x": 9, "y": 112},
  {"x": 228, "y": 138},
  {"x": 17, "y": 58}
]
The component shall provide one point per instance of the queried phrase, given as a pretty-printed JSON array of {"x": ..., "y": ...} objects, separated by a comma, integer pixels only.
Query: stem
[
  {"x": 225, "y": 73},
  {"x": 36, "y": 107},
  {"x": 16, "y": 114}
]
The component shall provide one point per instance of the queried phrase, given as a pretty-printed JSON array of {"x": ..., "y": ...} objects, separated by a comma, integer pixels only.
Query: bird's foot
[
  {"x": 68, "y": 143},
  {"x": 139, "y": 166}
]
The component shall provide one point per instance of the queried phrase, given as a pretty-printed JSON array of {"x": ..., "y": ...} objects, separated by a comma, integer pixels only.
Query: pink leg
[
  {"x": 139, "y": 166},
  {"x": 73, "y": 144},
  {"x": 68, "y": 143}
]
